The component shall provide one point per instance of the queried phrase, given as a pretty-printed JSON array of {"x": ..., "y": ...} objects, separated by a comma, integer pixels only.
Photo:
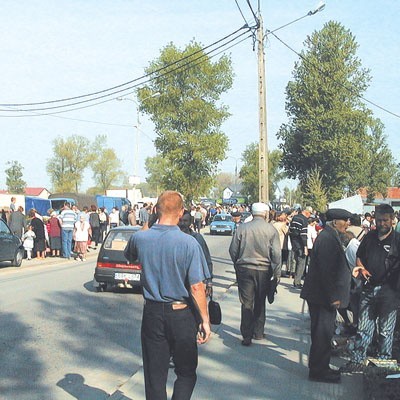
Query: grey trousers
[{"x": 252, "y": 286}]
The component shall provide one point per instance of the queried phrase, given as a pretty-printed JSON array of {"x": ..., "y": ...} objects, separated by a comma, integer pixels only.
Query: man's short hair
[
  {"x": 169, "y": 202},
  {"x": 384, "y": 209}
]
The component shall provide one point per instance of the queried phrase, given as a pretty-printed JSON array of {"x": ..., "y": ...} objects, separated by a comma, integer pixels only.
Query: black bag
[
  {"x": 272, "y": 289},
  {"x": 214, "y": 311}
]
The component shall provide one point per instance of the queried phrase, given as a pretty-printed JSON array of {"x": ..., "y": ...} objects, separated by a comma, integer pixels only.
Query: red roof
[
  {"x": 29, "y": 191},
  {"x": 392, "y": 193}
]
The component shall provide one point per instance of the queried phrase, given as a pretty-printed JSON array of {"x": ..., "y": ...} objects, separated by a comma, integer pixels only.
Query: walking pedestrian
[
  {"x": 256, "y": 254},
  {"x": 173, "y": 274},
  {"x": 94, "y": 221},
  {"x": 40, "y": 235},
  {"x": 326, "y": 289}
]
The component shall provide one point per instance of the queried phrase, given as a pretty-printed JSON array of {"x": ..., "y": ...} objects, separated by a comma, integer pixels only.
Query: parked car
[
  {"x": 222, "y": 224},
  {"x": 112, "y": 268},
  {"x": 11, "y": 248}
]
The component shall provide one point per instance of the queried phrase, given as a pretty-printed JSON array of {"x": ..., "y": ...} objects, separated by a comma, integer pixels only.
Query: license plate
[
  {"x": 123, "y": 276},
  {"x": 220, "y": 230}
]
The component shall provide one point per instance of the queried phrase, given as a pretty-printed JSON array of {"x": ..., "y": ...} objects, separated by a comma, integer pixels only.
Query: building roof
[
  {"x": 31, "y": 191},
  {"x": 392, "y": 193}
]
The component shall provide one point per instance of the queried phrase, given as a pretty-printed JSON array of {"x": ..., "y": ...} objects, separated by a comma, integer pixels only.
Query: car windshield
[
  {"x": 3, "y": 227},
  {"x": 223, "y": 217},
  {"x": 117, "y": 240}
]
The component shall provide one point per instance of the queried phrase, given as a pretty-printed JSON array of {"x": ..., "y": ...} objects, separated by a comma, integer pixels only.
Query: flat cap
[
  {"x": 338, "y": 213},
  {"x": 259, "y": 208},
  {"x": 236, "y": 214}
]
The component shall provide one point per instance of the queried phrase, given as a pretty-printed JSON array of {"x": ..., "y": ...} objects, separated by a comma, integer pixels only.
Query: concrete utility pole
[{"x": 263, "y": 146}]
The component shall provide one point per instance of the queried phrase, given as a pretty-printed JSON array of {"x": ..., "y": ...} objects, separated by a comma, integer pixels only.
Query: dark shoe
[
  {"x": 246, "y": 342},
  {"x": 299, "y": 286},
  {"x": 352, "y": 368},
  {"x": 325, "y": 377}
]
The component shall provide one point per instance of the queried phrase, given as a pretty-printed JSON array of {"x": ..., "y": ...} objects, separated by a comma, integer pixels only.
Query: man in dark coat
[{"x": 326, "y": 289}]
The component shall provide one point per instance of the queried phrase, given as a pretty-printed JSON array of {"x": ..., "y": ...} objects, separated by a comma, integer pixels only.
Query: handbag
[
  {"x": 214, "y": 312},
  {"x": 272, "y": 289}
]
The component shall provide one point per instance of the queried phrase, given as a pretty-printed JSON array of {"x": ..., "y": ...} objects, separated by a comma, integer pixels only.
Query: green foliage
[
  {"x": 15, "y": 183},
  {"x": 71, "y": 157},
  {"x": 314, "y": 193},
  {"x": 329, "y": 126},
  {"x": 249, "y": 173},
  {"x": 105, "y": 164},
  {"x": 187, "y": 118}
]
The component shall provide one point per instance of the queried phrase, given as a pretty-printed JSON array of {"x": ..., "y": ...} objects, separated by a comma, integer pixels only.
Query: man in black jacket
[
  {"x": 326, "y": 289},
  {"x": 298, "y": 238}
]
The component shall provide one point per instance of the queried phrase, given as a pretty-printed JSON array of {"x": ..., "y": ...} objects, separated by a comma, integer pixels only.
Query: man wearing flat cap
[
  {"x": 326, "y": 289},
  {"x": 256, "y": 254}
]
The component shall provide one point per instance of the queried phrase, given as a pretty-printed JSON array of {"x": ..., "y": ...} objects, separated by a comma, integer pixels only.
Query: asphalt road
[{"x": 59, "y": 339}]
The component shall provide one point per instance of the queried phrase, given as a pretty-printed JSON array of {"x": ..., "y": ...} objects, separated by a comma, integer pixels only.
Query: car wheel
[{"x": 17, "y": 261}]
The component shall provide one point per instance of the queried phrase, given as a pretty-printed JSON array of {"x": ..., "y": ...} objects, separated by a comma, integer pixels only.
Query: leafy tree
[
  {"x": 222, "y": 181},
  {"x": 377, "y": 168},
  {"x": 105, "y": 165},
  {"x": 329, "y": 125},
  {"x": 71, "y": 157},
  {"x": 314, "y": 193},
  {"x": 249, "y": 173},
  {"x": 186, "y": 116},
  {"x": 15, "y": 183}
]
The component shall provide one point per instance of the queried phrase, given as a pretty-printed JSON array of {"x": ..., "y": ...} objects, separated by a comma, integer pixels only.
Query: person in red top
[{"x": 54, "y": 235}]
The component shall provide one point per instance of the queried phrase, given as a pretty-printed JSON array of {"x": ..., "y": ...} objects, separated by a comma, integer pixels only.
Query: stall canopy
[{"x": 353, "y": 204}]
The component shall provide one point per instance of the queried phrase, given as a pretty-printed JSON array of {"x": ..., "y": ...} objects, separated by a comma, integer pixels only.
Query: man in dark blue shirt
[{"x": 174, "y": 269}]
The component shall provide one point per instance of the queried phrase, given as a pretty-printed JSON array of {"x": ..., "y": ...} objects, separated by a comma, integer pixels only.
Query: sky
[{"x": 58, "y": 49}]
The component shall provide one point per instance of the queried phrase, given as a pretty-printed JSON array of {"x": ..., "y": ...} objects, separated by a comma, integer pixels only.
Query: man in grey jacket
[{"x": 256, "y": 254}]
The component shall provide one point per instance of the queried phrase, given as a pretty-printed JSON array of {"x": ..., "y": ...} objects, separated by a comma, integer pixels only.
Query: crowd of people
[
  {"x": 71, "y": 232},
  {"x": 343, "y": 265}
]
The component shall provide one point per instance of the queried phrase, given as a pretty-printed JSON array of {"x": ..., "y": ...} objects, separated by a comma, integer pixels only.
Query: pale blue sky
[{"x": 56, "y": 49}]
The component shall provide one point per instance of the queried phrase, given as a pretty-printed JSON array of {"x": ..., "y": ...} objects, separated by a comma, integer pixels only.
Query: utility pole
[{"x": 263, "y": 146}]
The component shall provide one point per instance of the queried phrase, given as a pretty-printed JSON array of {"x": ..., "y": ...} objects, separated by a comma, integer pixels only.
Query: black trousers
[
  {"x": 322, "y": 330},
  {"x": 252, "y": 285},
  {"x": 164, "y": 332}
]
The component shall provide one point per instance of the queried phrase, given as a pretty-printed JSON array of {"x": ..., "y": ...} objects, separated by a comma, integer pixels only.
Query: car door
[{"x": 7, "y": 242}]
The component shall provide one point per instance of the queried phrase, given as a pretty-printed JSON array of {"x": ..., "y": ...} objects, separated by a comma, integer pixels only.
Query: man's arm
[{"x": 198, "y": 293}]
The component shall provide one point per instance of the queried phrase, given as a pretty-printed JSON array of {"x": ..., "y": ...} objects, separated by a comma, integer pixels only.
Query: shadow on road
[
  {"x": 74, "y": 384},
  {"x": 21, "y": 367}
]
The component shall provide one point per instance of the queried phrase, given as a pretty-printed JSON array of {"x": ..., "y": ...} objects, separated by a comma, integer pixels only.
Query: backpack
[{"x": 94, "y": 220}]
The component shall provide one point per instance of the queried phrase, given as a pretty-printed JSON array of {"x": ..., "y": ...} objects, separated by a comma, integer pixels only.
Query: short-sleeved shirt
[
  {"x": 373, "y": 252},
  {"x": 171, "y": 262}
]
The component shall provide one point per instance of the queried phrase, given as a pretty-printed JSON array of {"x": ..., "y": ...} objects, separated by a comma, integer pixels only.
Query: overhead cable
[{"x": 120, "y": 85}]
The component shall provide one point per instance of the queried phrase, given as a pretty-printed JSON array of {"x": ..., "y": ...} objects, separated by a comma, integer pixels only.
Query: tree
[
  {"x": 105, "y": 164},
  {"x": 329, "y": 125},
  {"x": 314, "y": 194},
  {"x": 222, "y": 181},
  {"x": 249, "y": 173},
  {"x": 15, "y": 183},
  {"x": 186, "y": 116},
  {"x": 377, "y": 168},
  {"x": 71, "y": 157}
]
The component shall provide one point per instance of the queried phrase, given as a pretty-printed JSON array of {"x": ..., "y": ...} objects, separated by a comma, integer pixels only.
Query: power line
[
  {"x": 118, "y": 92},
  {"x": 117, "y": 86},
  {"x": 254, "y": 14},
  {"x": 240, "y": 10},
  {"x": 332, "y": 79}
]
